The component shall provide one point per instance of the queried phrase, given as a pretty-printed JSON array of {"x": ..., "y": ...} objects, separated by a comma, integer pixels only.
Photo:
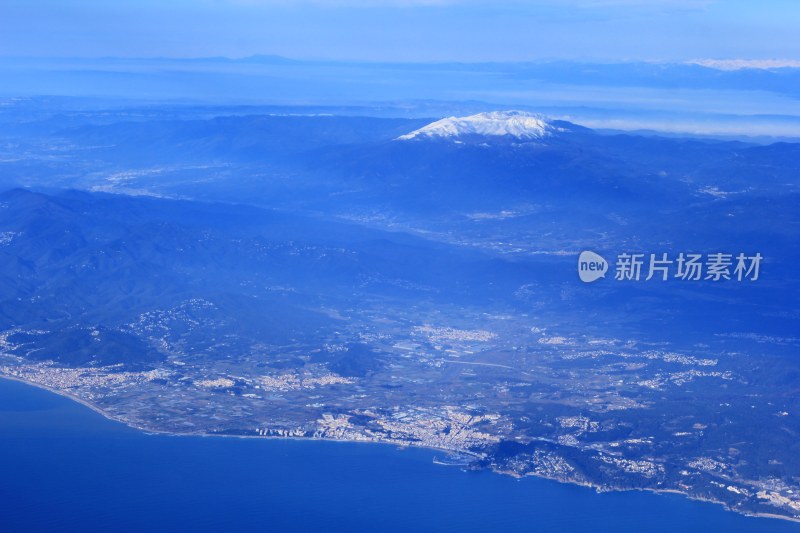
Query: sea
[{"x": 64, "y": 467}]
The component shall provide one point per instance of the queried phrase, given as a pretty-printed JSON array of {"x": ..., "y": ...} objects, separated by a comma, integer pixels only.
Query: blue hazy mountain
[
  {"x": 564, "y": 188},
  {"x": 95, "y": 77},
  {"x": 413, "y": 281},
  {"x": 678, "y": 97},
  {"x": 357, "y": 165},
  {"x": 83, "y": 266}
]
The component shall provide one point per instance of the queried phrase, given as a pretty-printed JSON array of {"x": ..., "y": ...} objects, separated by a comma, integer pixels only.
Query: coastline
[
  {"x": 151, "y": 431},
  {"x": 399, "y": 446},
  {"x": 66, "y": 394},
  {"x": 599, "y": 489}
]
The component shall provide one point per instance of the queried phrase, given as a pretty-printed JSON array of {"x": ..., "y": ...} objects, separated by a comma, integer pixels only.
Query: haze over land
[
  {"x": 409, "y": 281},
  {"x": 667, "y": 97},
  {"x": 362, "y": 221}
]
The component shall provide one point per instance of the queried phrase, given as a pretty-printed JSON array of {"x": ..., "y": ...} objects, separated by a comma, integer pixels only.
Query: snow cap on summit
[{"x": 517, "y": 124}]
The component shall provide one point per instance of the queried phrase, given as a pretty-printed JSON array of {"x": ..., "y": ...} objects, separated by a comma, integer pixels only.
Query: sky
[{"x": 405, "y": 30}]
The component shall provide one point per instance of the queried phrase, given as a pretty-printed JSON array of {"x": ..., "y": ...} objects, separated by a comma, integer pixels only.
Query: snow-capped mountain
[{"x": 517, "y": 124}]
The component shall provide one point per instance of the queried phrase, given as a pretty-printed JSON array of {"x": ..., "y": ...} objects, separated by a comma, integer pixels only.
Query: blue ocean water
[{"x": 64, "y": 467}]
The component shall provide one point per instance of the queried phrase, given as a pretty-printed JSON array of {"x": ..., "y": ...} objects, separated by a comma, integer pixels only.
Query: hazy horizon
[
  {"x": 682, "y": 98},
  {"x": 406, "y": 30}
]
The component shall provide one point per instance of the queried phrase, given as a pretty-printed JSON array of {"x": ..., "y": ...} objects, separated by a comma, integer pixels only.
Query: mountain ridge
[{"x": 519, "y": 125}]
